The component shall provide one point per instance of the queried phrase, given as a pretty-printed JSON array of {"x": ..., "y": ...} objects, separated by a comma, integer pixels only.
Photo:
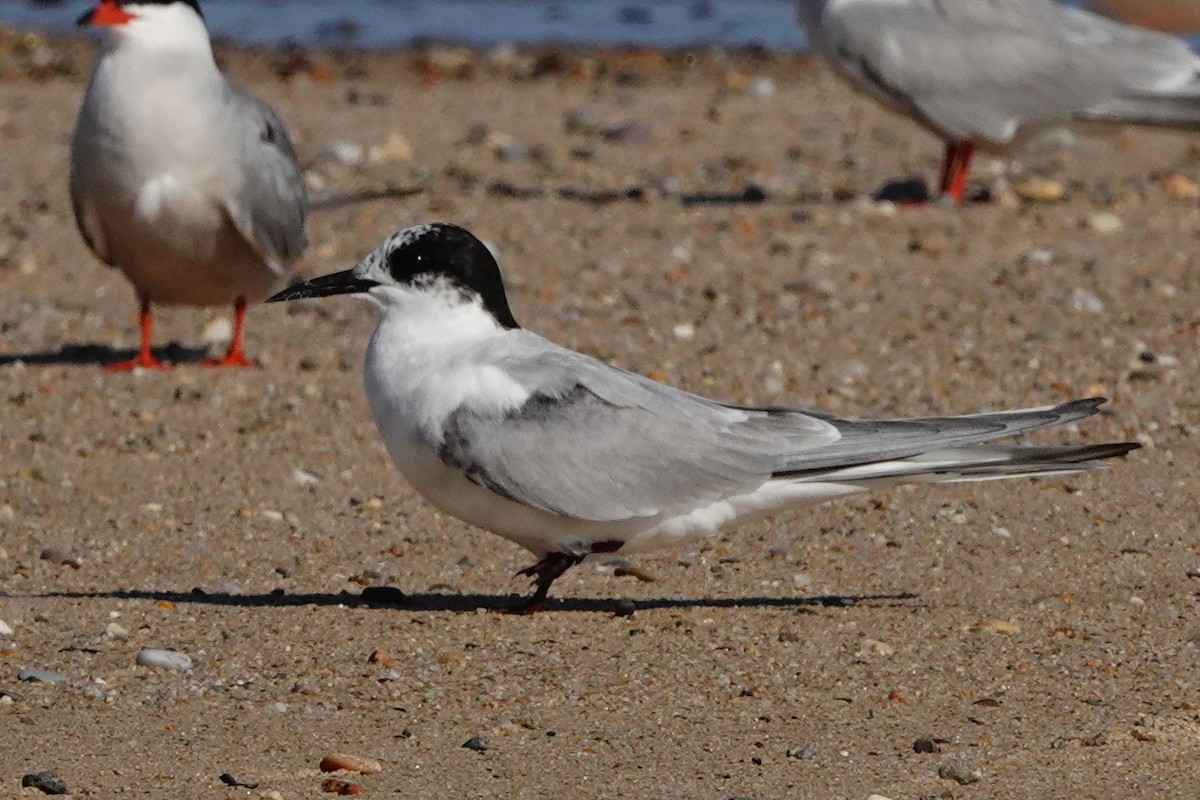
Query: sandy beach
[{"x": 703, "y": 218}]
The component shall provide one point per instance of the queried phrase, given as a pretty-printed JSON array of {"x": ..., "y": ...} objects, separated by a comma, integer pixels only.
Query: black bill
[{"x": 344, "y": 282}]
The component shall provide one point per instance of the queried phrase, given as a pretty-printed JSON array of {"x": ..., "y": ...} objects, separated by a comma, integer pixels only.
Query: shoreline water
[{"x": 479, "y": 23}]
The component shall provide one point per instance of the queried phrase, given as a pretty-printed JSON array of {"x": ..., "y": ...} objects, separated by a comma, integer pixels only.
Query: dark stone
[
  {"x": 229, "y": 780},
  {"x": 476, "y": 743},
  {"x": 50, "y": 782},
  {"x": 924, "y": 744}
]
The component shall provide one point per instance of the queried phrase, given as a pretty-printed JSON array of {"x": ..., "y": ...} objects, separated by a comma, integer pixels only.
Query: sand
[{"x": 1041, "y": 633}]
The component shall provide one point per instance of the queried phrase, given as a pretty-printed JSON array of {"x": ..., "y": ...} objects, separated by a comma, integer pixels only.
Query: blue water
[{"x": 382, "y": 23}]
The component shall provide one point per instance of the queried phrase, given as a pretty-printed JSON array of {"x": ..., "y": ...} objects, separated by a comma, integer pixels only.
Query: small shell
[{"x": 336, "y": 762}]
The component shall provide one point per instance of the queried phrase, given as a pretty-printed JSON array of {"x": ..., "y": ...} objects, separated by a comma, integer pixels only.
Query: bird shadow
[
  {"x": 392, "y": 598},
  {"x": 93, "y": 354}
]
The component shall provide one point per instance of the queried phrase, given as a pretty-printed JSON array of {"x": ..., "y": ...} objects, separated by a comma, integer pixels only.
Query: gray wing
[
  {"x": 978, "y": 69},
  {"x": 596, "y": 443},
  {"x": 82, "y": 206},
  {"x": 270, "y": 203},
  {"x": 88, "y": 224}
]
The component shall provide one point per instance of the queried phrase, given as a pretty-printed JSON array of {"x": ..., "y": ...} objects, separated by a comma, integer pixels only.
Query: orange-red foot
[
  {"x": 234, "y": 357},
  {"x": 238, "y": 359},
  {"x": 140, "y": 361}
]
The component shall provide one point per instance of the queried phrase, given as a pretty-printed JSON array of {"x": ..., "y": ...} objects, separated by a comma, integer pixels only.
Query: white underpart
[{"x": 422, "y": 364}]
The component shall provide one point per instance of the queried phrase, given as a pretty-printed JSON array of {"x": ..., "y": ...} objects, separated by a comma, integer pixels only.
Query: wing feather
[
  {"x": 270, "y": 203},
  {"x": 597, "y": 443}
]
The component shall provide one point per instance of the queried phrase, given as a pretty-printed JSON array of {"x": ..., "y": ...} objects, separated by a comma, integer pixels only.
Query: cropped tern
[{"x": 993, "y": 74}]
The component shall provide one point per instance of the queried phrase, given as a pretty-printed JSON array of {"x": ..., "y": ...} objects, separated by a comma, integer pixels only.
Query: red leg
[
  {"x": 948, "y": 166},
  {"x": 144, "y": 359},
  {"x": 954, "y": 169},
  {"x": 234, "y": 356}
]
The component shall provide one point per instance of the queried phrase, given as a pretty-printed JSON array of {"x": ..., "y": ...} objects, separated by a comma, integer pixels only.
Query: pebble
[
  {"x": 5, "y": 628},
  {"x": 1179, "y": 186},
  {"x": 31, "y": 675},
  {"x": 1105, "y": 222},
  {"x": 630, "y": 131},
  {"x": 114, "y": 631},
  {"x": 684, "y": 331},
  {"x": 444, "y": 61},
  {"x": 381, "y": 657},
  {"x": 9, "y": 695},
  {"x": 508, "y": 148},
  {"x": 230, "y": 780},
  {"x": 578, "y": 121},
  {"x": 1040, "y": 190},
  {"x": 217, "y": 331},
  {"x": 953, "y": 771},
  {"x": 337, "y": 762},
  {"x": 763, "y": 86},
  {"x": 877, "y": 647},
  {"x": 164, "y": 659},
  {"x": 1038, "y": 258},
  {"x": 395, "y": 148},
  {"x": 304, "y": 477},
  {"x": 803, "y": 753},
  {"x": 924, "y": 744},
  {"x": 998, "y": 626},
  {"x": 345, "y": 152},
  {"x": 1085, "y": 302},
  {"x": 56, "y": 556},
  {"x": 476, "y": 743},
  {"x": 878, "y": 797},
  {"x": 49, "y": 781},
  {"x": 334, "y": 786}
]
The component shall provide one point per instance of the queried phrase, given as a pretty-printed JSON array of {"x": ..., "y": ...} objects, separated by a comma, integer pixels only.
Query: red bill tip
[{"x": 105, "y": 13}]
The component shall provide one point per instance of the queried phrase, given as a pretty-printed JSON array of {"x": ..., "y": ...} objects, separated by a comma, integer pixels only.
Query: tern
[
  {"x": 570, "y": 457},
  {"x": 993, "y": 74},
  {"x": 179, "y": 178}
]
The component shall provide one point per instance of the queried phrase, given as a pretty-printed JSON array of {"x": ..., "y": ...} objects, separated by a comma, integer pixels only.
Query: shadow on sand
[
  {"x": 389, "y": 597},
  {"x": 90, "y": 354}
]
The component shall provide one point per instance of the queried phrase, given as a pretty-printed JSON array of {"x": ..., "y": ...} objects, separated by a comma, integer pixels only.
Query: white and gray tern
[{"x": 568, "y": 456}]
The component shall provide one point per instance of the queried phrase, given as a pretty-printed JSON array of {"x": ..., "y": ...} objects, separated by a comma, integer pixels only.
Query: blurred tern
[
  {"x": 994, "y": 73},
  {"x": 179, "y": 178},
  {"x": 569, "y": 457}
]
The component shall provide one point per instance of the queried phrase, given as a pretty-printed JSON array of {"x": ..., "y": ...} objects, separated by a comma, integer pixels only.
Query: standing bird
[
  {"x": 569, "y": 457},
  {"x": 180, "y": 179},
  {"x": 993, "y": 73}
]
